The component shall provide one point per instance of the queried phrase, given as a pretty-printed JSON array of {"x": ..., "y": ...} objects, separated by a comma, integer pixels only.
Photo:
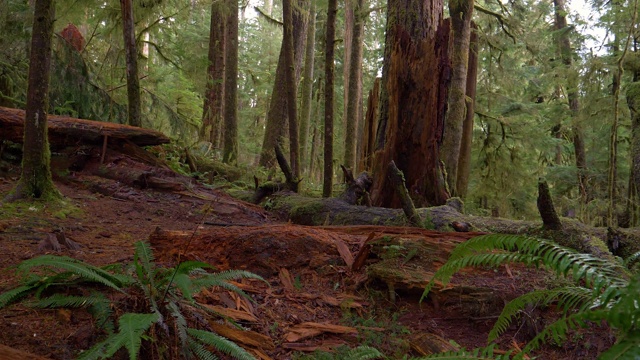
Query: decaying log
[
  {"x": 357, "y": 192},
  {"x": 397, "y": 180},
  {"x": 550, "y": 219},
  {"x": 65, "y": 131}
]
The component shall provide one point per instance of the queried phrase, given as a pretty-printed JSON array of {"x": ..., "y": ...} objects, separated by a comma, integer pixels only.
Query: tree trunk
[
  {"x": 354, "y": 96},
  {"x": 277, "y": 115},
  {"x": 349, "y": 21},
  {"x": 461, "y": 12},
  {"x": 370, "y": 128},
  {"x": 327, "y": 184},
  {"x": 415, "y": 79},
  {"x": 133, "y": 83},
  {"x": 230, "y": 153},
  {"x": 464, "y": 161},
  {"x": 564, "y": 48},
  {"x": 633, "y": 102},
  {"x": 212, "y": 113},
  {"x": 292, "y": 104},
  {"x": 307, "y": 88},
  {"x": 35, "y": 180}
]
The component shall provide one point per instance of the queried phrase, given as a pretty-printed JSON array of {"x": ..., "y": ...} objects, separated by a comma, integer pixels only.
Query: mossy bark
[
  {"x": 35, "y": 180},
  {"x": 461, "y": 12},
  {"x": 327, "y": 184},
  {"x": 550, "y": 218},
  {"x": 230, "y": 150},
  {"x": 131, "y": 52},
  {"x": 307, "y": 89}
]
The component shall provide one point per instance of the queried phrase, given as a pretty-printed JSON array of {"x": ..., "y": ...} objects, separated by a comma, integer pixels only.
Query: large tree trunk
[
  {"x": 307, "y": 89},
  {"x": 277, "y": 115},
  {"x": 327, "y": 184},
  {"x": 133, "y": 83},
  {"x": 370, "y": 128},
  {"x": 352, "y": 117},
  {"x": 35, "y": 180},
  {"x": 415, "y": 79},
  {"x": 461, "y": 12},
  {"x": 464, "y": 161},
  {"x": 230, "y": 153},
  {"x": 212, "y": 113},
  {"x": 292, "y": 104}
]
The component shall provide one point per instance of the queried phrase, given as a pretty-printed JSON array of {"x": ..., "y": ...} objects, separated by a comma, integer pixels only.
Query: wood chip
[
  {"x": 344, "y": 251},
  {"x": 245, "y": 337},
  {"x": 237, "y": 315},
  {"x": 285, "y": 279},
  {"x": 311, "y": 329}
]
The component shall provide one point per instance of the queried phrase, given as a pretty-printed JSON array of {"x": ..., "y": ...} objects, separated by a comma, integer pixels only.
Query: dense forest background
[{"x": 552, "y": 100}]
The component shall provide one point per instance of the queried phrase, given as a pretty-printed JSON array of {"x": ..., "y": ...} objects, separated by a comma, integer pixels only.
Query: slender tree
[
  {"x": 354, "y": 103},
  {"x": 131, "y": 56},
  {"x": 277, "y": 115},
  {"x": 415, "y": 78},
  {"x": 292, "y": 110},
  {"x": 230, "y": 153},
  {"x": 212, "y": 113},
  {"x": 461, "y": 12},
  {"x": 327, "y": 184},
  {"x": 35, "y": 179},
  {"x": 464, "y": 161},
  {"x": 307, "y": 87}
]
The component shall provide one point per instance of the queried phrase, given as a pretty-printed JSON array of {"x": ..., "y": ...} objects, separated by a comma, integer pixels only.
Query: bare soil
[{"x": 307, "y": 285}]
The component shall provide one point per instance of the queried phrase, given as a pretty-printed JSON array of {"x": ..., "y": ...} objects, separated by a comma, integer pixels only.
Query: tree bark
[
  {"x": 35, "y": 179},
  {"x": 550, "y": 219},
  {"x": 354, "y": 96},
  {"x": 370, "y": 128},
  {"x": 292, "y": 104},
  {"x": 464, "y": 161},
  {"x": 415, "y": 79},
  {"x": 230, "y": 153},
  {"x": 213, "y": 109},
  {"x": 131, "y": 52},
  {"x": 327, "y": 184},
  {"x": 307, "y": 88},
  {"x": 277, "y": 115},
  {"x": 397, "y": 179},
  {"x": 461, "y": 12}
]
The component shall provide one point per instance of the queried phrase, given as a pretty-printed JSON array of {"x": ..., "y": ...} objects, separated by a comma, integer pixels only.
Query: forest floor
[{"x": 106, "y": 217}]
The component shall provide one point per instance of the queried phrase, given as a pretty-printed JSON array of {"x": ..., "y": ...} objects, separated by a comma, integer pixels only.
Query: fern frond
[
  {"x": 567, "y": 297},
  {"x": 16, "y": 294},
  {"x": 185, "y": 284},
  {"x": 143, "y": 259},
  {"x": 200, "y": 351},
  {"x": 65, "y": 301},
  {"x": 628, "y": 262},
  {"x": 79, "y": 268},
  {"x": 181, "y": 323},
  {"x": 220, "y": 279},
  {"x": 187, "y": 267},
  {"x": 363, "y": 353},
  {"x": 222, "y": 344},
  {"x": 557, "y": 331},
  {"x": 624, "y": 314},
  {"x": 131, "y": 327},
  {"x": 627, "y": 348}
]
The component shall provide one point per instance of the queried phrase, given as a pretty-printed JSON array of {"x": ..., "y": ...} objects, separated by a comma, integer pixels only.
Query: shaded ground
[{"x": 309, "y": 279}]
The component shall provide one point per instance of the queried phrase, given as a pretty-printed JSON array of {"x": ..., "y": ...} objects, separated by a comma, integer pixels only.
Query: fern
[
  {"x": 363, "y": 353},
  {"x": 64, "y": 301},
  {"x": 485, "y": 353},
  {"x": 131, "y": 326},
  {"x": 627, "y": 348},
  {"x": 220, "y": 343},
  {"x": 16, "y": 294},
  {"x": 75, "y": 267}
]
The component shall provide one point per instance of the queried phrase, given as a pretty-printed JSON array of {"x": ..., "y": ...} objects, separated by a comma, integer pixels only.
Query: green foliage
[
  {"x": 602, "y": 290},
  {"x": 158, "y": 303}
]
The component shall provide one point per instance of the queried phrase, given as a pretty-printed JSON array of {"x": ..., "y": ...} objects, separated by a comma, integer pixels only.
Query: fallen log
[{"x": 64, "y": 130}]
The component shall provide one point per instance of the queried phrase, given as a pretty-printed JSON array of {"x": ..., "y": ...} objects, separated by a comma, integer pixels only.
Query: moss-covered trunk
[
  {"x": 461, "y": 12},
  {"x": 35, "y": 180},
  {"x": 327, "y": 184},
  {"x": 131, "y": 52},
  {"x": 213, "y": 103}
]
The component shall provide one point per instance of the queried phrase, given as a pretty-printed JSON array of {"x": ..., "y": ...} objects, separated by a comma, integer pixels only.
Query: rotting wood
[
  {"x": 397, "y": 179},
  {"x": 550, "y": 219},
  {"x": 64, "y": 130},
  {"x": 357, "y": 192},
  {"x": 291, "y": 182}
]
